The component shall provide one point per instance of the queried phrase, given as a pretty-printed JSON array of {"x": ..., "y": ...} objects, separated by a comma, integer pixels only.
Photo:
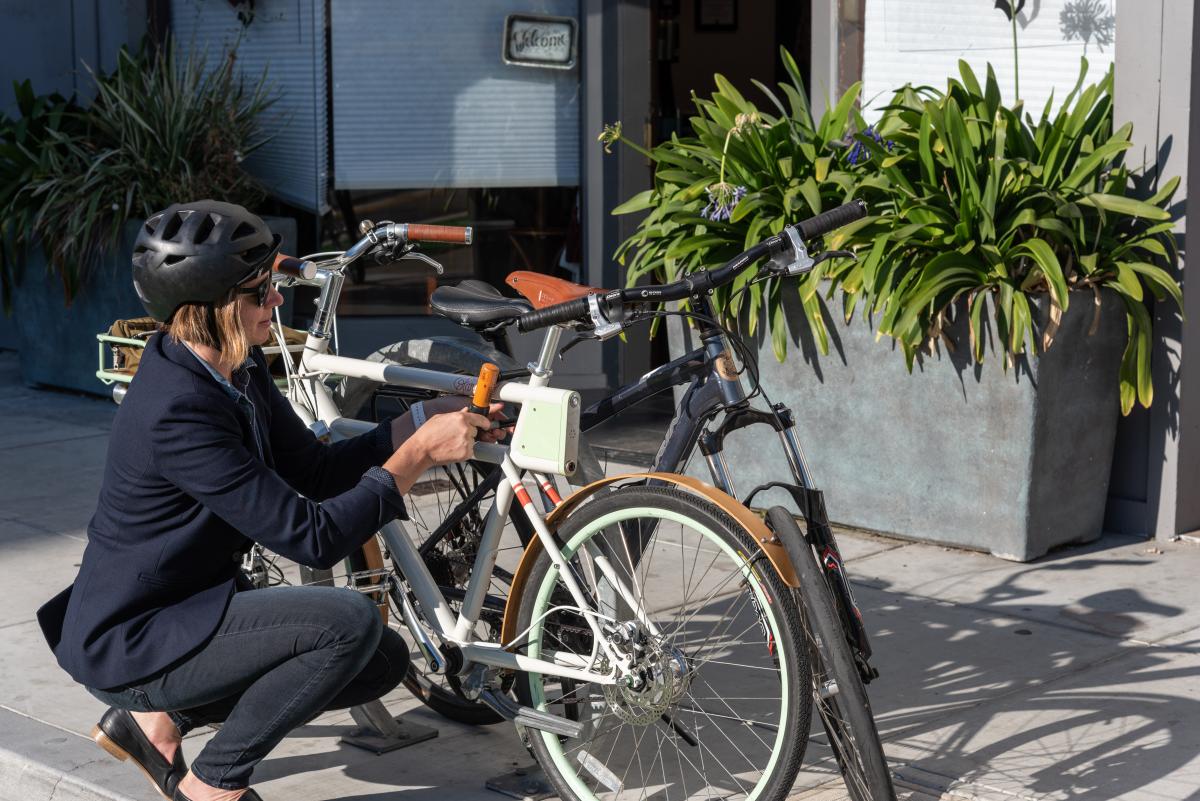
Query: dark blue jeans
[{"x": 280, "y": 657}]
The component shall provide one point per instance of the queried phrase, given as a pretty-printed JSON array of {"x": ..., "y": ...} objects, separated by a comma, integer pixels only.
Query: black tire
[
  {"x": 785, "y": 698},
  {"x": 846, "y": 715}
]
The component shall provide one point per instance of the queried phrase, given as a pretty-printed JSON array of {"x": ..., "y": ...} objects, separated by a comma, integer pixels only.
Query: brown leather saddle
[{"x": 478, "y": 305}]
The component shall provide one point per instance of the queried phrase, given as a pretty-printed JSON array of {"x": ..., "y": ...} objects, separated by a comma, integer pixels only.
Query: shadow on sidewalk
[{"x": 991, "y": 693}]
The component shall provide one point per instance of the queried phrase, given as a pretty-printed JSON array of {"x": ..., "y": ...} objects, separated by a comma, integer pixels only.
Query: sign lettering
[{"x": 539, "y": 41}]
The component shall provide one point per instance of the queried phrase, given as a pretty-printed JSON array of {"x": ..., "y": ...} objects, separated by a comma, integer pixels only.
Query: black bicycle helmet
[{"x": 197, "y": 252}]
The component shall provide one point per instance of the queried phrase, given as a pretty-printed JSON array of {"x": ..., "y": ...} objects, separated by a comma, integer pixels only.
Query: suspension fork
[{"x": 819, "y": 533}]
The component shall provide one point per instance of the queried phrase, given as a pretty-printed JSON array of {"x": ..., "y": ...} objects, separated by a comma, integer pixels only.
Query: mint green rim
[{"x": 547, "y": 586}]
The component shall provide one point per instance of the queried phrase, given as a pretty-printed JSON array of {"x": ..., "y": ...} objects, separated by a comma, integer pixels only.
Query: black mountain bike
[{"x": 713, "y": 404}]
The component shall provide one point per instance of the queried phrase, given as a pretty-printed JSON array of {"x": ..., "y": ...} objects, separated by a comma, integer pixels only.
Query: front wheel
[
  {"x": 838, "y": 692},
  {"x": 718, "y": 702}
]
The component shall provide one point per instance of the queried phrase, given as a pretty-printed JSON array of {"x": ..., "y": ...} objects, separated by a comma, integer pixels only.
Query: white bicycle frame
[{"x": 316, "y": 365}]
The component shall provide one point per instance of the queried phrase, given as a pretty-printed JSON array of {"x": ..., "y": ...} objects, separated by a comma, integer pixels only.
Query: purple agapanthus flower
[
  {"x": 859, "y": 152},
  {"x": 722, "y": 200}
]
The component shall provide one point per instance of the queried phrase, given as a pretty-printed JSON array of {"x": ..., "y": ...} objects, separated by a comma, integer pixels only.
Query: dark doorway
[{"x": 740, "y": 39}]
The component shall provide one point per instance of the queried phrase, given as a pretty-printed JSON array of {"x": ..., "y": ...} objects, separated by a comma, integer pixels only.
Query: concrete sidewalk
[{"x": 1074, "y": 677}]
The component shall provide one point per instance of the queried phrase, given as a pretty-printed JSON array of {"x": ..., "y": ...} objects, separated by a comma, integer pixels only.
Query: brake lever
[
  {"x": 833, "y": 254},
  {"x": 419, "y": 256},
  {"x": 578, "y": 340},
  {"x": 793, "y": 260}
]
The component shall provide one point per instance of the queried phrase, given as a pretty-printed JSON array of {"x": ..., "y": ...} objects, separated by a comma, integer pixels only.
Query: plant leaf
[
  {"x": 1047, "y": 262},
  {"x": 1125, "y": 205},
  {"x": 639, "y": 202}
]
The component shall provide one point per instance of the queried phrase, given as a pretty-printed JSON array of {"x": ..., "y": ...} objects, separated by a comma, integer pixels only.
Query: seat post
[{"x": 541, "y": 368}]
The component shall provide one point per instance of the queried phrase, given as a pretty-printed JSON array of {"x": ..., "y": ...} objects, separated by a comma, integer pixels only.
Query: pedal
[{"x": 528, "y": 716}]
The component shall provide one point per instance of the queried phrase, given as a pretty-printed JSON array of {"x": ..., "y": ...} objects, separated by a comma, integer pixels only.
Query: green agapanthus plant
[
  {"x": 745, "y": 174},
  {"x": 981, "y": 204},
  {"x": 972, "y": 203}
]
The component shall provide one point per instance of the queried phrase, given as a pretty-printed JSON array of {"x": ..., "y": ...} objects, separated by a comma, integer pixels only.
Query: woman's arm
[
  {"x": 317, "y": 469},
  {"x": 198, "y": 447},
  {"x": 444, "y": 438},
  {"x": 321, "y": 470}
]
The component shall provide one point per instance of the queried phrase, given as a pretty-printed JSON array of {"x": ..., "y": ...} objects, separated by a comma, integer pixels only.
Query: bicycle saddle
[
  {"x": 546, "y": 290},
  {"x": 476, "y": 304}
]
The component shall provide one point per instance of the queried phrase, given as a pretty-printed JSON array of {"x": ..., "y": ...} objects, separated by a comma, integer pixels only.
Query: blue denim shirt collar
[
  {"x": 238, "y": 375},
  {"x": 238, "y": 393}
]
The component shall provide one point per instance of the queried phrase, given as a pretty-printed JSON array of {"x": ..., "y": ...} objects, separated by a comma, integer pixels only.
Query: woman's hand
[
  {"x": 403, "y": 426},
  {"x": 446, "y": 437}
]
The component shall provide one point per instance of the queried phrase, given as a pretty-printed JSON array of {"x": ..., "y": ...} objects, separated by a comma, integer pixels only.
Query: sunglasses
[{"x": 262, "y": 291}]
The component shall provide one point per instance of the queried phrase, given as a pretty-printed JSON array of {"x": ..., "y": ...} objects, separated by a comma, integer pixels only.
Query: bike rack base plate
[
  {"x": 527, "y": 783},
  {"x": 379, "y": 732}
]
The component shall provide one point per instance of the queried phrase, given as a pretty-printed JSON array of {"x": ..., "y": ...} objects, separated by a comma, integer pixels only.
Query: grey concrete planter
[
  {"x": 1014, "y": 462},
  {"x": 56, "y": 342}
]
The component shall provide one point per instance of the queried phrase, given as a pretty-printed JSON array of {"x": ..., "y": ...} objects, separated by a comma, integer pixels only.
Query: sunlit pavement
[{"x": 1073, "y": 677}]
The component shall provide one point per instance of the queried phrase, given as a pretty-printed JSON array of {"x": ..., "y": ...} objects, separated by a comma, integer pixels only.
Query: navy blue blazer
[{"x": 184, "y": 494}]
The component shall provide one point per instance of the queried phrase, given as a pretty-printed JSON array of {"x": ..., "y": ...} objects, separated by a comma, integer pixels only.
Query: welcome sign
[{"x": 539, "y": 41}]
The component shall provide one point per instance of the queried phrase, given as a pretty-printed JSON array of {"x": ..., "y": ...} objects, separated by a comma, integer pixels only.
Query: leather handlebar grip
[
  {"x": 830, "y": 220},
  {"x": 453, "y": 234},
  {"x": 296, "y": 268},
  {"x": 488, "y": 374},
  {"x": 551, "y": 315}
]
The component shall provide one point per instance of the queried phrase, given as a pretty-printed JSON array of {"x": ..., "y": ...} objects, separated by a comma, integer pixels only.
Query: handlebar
[
  {"x": 294, "y": 268},
  {"x": 553, "y": 315},
  {"x": 791, "y": 240},
  {"x": 453, "y": 234},
  {"x": 831, "y": 220},
  {"x": 399, "y": 234}
]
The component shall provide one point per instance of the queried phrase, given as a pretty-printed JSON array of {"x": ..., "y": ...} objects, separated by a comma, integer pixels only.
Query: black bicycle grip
[
  {"x": 830, "y": 220},
  {"x": 552, "y": 315}
]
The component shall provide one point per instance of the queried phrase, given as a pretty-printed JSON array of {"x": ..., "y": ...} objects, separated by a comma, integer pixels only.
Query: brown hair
[{"x": 217, "y": 325}]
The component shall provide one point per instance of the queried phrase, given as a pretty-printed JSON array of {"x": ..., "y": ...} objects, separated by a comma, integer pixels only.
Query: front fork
[{"x": 810, "y": 501}]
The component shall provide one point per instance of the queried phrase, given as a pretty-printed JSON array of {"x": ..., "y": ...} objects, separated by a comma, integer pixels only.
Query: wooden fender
[
  {"x": 373, "y": 556},
  {"x": 753, "y": 525}
]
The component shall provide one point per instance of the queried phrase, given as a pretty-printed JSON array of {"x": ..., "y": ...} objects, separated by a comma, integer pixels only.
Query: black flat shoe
[
  {"x": 249, "y": 795},
  {"x": 118, "y": 734}
]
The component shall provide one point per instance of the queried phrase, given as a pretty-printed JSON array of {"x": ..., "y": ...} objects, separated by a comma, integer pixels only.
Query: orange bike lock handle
[{"x": 488, "y": 374}]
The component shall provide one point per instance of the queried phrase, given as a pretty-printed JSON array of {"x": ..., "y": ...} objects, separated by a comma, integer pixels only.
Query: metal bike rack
[
  {"x": 378, "y": 731},
  {"x": 528, "y": 783}
]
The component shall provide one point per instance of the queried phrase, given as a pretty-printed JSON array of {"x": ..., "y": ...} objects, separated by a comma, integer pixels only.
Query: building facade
[{"x": 423, "y": 112}]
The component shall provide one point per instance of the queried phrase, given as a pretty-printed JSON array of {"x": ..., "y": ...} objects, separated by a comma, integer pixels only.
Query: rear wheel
[{"x": 719, "y": 703}]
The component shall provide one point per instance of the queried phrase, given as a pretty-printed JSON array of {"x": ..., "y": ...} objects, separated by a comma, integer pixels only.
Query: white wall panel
[
  {"x": 921, "y": 41},
  {"x": 287, "y": 39},
  {"x": 422, "y": 98}
]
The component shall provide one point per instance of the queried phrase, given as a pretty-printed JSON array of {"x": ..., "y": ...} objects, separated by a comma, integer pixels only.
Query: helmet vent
[
  {"x": 243, "y": 230},
  {"x": 173, "y": 259},
  {"x": 204, "y": 229},
  {"x": 171, "y": 226}
]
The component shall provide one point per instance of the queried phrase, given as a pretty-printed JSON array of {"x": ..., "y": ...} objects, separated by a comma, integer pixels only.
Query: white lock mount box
[{"x": 546, "y": 439}]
